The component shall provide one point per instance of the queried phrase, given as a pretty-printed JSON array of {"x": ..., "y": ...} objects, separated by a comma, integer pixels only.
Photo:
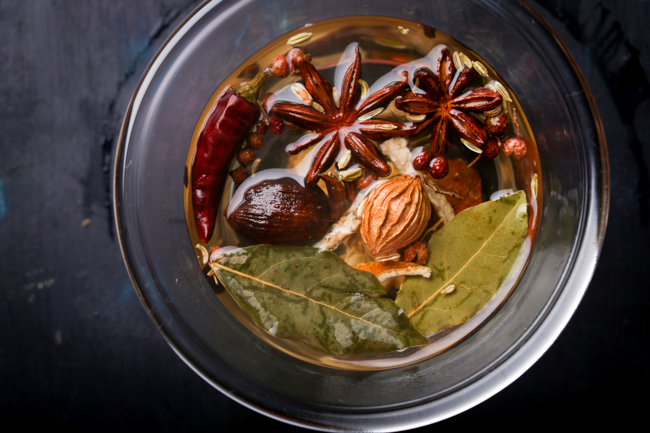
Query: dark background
[{"x": 77, "y": 349}]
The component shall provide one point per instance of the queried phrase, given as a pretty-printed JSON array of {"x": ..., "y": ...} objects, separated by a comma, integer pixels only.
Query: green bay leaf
[
  {"x": 469, "y": 258},
  {"x": 314, "y": 297}
]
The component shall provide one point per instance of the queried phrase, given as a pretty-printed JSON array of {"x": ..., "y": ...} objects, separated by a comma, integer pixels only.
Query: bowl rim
[{"x": 521, "y": 356}]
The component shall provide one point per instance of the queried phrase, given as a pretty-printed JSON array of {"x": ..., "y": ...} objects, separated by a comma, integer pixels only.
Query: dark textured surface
[{"x": 77, "y": 349}]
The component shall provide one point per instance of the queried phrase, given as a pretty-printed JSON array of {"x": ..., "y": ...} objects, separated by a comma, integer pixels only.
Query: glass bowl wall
[{"x": 150, "y": 214}]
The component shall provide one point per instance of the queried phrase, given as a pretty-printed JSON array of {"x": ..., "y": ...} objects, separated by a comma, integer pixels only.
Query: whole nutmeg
[
  {"x": 281, "y": 211},
  {"x": 395, "y": 215}
]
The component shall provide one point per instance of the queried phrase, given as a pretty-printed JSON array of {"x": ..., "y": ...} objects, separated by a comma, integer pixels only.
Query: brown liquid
[{"x": 383, "y": 46}]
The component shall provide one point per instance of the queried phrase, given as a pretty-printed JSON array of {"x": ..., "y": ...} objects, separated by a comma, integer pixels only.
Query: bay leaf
[
  {"x": 314, "y": 297},
  {"x": 469, "y": 258}
]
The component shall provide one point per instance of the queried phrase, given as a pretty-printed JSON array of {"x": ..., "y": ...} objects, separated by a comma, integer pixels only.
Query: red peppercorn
[
  {"x": 276, "y": 125},
  {"x": 280, "y": 67},
  {"x": 495, "y": 125},
  {"x": 515, "y": 146},
  {"x": 246, "y": 156},
  {"x": 439, "y": 167},
  {"x": 255, "y": 141},
  {"x": 261, "y": 128},
  {"x": 491, "y": 149},
  {"x": 239, "y": 175},
  {"x": 422, "y": 159}
]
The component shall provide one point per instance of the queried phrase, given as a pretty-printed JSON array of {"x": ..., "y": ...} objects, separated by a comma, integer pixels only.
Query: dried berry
[
  {"x": 280, "y": 67},
  {"x": 246, "y": 156},
  {"x": 422, "y": 159},
  {"x": 261, "y": 128},
  {"x": 276, "y": 125},
  {"x": 255, "y": 141},
  {"x": 239, "y": 175},
  {"x": 495, "y": 125},
  {"x": 491, "y": 149},
  {"x": 515, "y": 146},
  {"x": 439, "y": 167}
]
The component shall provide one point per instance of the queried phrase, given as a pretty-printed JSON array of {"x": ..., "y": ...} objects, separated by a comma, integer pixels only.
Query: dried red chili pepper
[{"x": 234, "y": 114}]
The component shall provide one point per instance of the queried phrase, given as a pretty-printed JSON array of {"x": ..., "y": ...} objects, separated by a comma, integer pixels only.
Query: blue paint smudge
[
  {"x": 3, "y": 203},
  {"x": 244, "y": 29},
  {"x": 125, "y": 295}
]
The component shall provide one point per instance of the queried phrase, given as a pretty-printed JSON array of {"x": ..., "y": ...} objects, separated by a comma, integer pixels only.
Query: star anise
[
  {"x": 344, "y": 121},
  {"x": 443, "y": 104}
]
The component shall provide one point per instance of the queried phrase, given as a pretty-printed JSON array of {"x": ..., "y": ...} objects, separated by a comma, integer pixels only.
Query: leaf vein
[
  {"x": 412, "y": 313},
  {"x": 241, "y": 274}
]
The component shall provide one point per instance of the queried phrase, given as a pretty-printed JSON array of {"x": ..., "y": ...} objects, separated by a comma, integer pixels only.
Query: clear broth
[{"x": 384, "y": 44}]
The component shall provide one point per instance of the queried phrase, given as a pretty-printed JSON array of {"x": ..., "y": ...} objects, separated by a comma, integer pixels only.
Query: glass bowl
[{"x": 150, "y": 174}]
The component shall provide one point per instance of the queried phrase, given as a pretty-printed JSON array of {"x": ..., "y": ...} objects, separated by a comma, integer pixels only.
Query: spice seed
[
  {"x": 335, "y": 97},
  {"x": 448, "y": 289},
  {"x": 493, "y": 112},
  {"x": 351, "y": 174},
  {"x": 371, "y": 114},
  {"x": 478, "y": 66},
  {"x": 416, "y": 118},
  {"x": 344, "y": 160},
  {"x": 204, "y": 253},
  {"x": 471, "y": 146},
  {"x": 403, "y": 30},
  {"x": 300, "y": 39},
  {"x": 533, "y": 186},
  {"x": 317, "y": 106},
  {"x": 364, "y": 89},
  {"x": 502, "y": 91},
  {"x": 301, "y": 92},
  {"x": 466, "y": 60},
  {"x": 458, "y": 62},
  {"x": 255, "y": 165},
  {"x": 384, "y": 127}
]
